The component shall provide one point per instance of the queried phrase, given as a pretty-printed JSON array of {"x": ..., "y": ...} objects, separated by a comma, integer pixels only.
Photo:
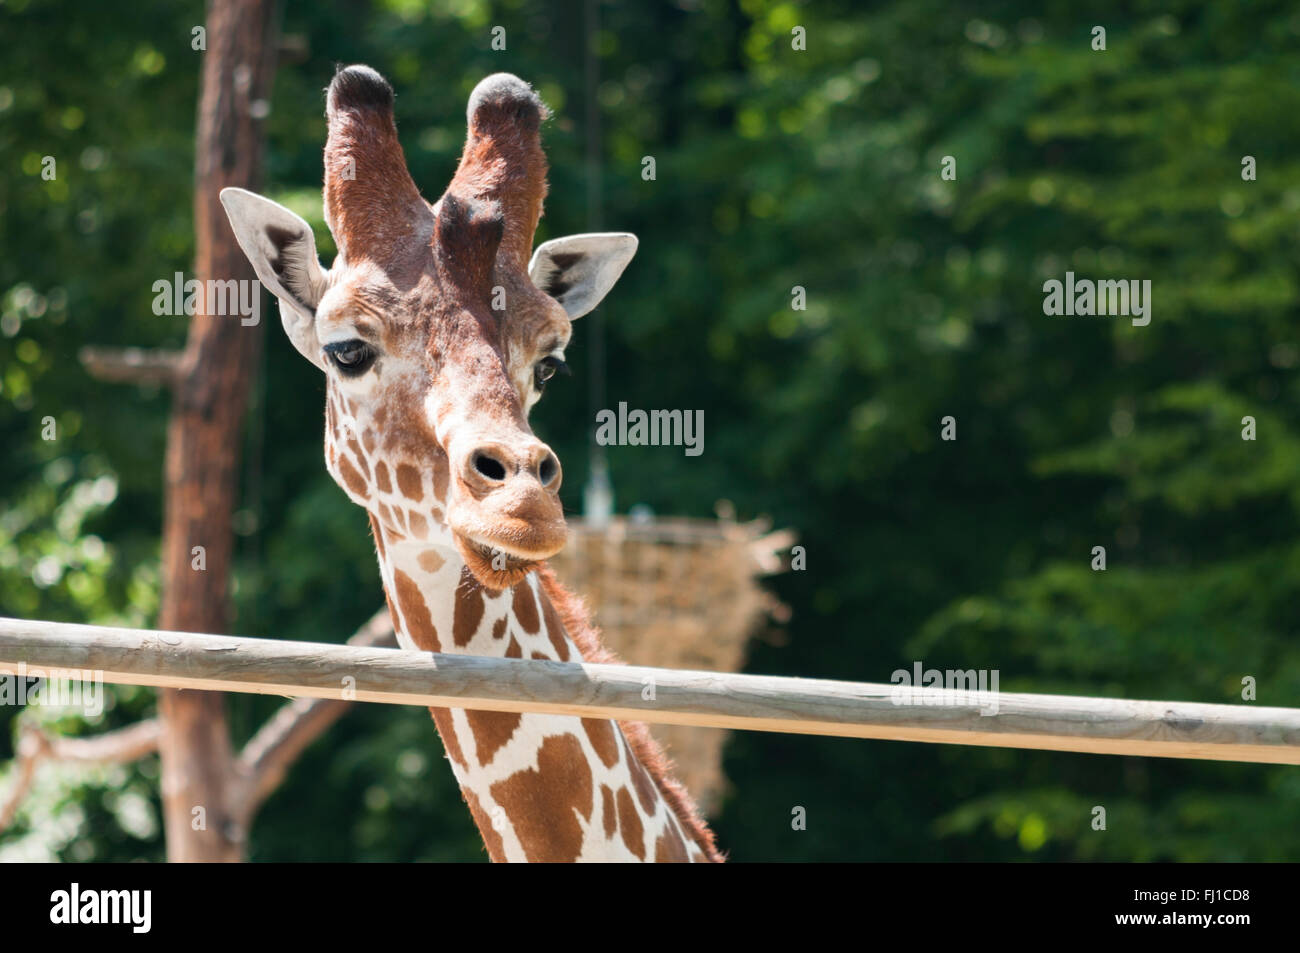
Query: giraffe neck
[{"x": 539, "y": 787}]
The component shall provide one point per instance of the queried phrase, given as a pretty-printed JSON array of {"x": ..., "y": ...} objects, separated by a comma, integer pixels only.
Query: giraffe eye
[
  {"x": 352, "y": 358},
  {"x": 546, "y": 369}
]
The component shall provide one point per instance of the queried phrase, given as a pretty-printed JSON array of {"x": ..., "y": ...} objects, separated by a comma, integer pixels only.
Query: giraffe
[{"x": 437, "y": 333}]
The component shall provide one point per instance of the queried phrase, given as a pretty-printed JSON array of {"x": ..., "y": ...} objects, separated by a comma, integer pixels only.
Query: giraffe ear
[
  {"x": 579, "y": 270},
  {"x": 282, "y": 250}
]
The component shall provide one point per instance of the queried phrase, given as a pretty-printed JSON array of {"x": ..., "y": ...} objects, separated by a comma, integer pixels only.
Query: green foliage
[{"x": 775, "y": 168}]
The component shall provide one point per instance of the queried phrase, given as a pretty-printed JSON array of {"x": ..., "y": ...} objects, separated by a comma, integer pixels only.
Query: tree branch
[
  {"x": 267, "y": 756},
  {"x": 34, "y": 746},
  {"x": 131, "y": 365}
]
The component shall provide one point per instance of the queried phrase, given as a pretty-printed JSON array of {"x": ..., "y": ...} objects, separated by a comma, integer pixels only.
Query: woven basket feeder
[{"x": 674, "y": 592}]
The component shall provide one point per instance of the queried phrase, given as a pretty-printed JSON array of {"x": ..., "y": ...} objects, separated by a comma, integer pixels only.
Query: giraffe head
[{"x": 434, "y": 328}]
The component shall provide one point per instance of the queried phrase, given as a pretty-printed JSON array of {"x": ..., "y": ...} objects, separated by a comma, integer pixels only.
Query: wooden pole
[{"x": 706, "y": 699}]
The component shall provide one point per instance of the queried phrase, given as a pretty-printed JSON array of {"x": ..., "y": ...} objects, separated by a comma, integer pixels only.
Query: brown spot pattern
[
  {"x": 361, "y": 457},
  {"x": 629, "y": 824},
  {"x": 381, "y": 477},
  {"x": 645, "y": 788},
  {"x": 350, "y": 476},
  {"x": 499, "y": 628},
  {"x": 670, "y": 848},
  {"x": 419, "y": 624},
  {"x": 607, "y": 810},
  {"x": 559, "y": 644},
  {"x": 540, "y": 802},
  {"x": 555, "y": 629},
  {"x": 430, "y": 560},
  {"x": 603, "y": 739},
  {"x": 492, "y": 729},
  {"x": 409, "y": 482},
  {"x": 469, "y": 609},
  {"x": 441, "y": 474},
  {"x": 525, "y": 609}
]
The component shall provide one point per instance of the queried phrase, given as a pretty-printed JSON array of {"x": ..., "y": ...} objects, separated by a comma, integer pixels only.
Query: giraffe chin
[{"x": 482, "y": 561}]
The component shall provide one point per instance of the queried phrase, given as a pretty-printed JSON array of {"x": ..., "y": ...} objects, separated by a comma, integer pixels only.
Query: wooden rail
[{"x": 705, "y": 699}]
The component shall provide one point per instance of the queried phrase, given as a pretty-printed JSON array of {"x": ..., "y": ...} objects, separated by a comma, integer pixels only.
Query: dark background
[{"x": 775, "y": 168}]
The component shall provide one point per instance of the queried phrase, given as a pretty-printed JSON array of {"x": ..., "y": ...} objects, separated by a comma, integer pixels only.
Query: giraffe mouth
[{"x": 493, "y": 567}]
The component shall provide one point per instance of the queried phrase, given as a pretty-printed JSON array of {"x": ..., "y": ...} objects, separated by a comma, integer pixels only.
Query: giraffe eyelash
[
  {"x": 547, "y": 368},
  {"x": 352, "y": 358}
]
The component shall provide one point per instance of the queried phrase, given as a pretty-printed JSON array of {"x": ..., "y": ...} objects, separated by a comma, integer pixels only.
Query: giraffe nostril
[
  {"x": 549, "y": 469},
  {"x": 489, "y": 466}
]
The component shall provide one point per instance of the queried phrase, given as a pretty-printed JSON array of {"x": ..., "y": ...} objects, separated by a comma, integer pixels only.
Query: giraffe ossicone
[{"x": 429, "y": 386}]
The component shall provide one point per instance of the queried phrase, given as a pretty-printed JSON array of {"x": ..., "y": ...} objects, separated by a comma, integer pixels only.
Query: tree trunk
[{"x": 199, "y": 781}]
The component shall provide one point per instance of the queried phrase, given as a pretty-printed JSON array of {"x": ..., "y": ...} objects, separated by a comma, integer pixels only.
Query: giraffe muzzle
[{"x": 505, "y": 510}]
